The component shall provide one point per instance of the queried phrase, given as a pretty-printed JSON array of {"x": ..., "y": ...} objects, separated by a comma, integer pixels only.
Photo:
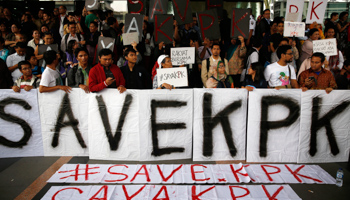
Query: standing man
[
  {"x": 63, "y": 19},
  {"x": 51, "y": 79},
  {"x": 72, "y": 35},
  {"x": 105, "y": 74},
  {"x": 280, "y": 74},
  {"x": 212, "y": 62},
  {"x": 13, "y": 60},
  {"x": 264, "y": 25}
]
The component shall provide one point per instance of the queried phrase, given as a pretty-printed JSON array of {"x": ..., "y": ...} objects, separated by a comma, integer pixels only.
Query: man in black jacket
[{"x": 264, "y": 25}]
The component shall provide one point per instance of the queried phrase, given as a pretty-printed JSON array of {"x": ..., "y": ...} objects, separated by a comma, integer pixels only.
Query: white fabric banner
[
  {"x": 165, "y": 124},
  {"x": 219, "y": 124},
  {"x": 20, "y": 134},
  {"x": 113, "y": 125},
  {"x": 64, "y": 122},
  {"x": 141, "y": 192},
  {"x": 273, "y": 125},
  {"x": 191, "y": 174},
  {"x": 327, "y": 137},
  {"x": 316, "y": 11}
]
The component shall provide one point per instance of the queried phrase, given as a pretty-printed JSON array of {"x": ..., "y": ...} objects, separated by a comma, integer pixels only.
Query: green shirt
[{"x": 90, "y": 18}]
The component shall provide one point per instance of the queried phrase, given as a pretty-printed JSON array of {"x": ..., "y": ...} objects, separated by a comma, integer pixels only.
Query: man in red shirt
[{"x": 105, "y": 74}]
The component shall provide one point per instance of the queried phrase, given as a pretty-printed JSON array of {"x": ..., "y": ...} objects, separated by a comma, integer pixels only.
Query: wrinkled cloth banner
[
  {"x": 141, "y": 192},
  {"x": 191, "y": 174}
]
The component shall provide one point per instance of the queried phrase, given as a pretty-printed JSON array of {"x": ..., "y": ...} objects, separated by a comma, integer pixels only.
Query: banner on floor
[{"x": 141, "y": 125}]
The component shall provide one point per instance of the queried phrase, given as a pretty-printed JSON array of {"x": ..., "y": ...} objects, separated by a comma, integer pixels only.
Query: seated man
[
  {"x": 51, "y": 79},
  {"x": 27, "y": 81},
  {"x": 280, "y": 74},
  {"x": 317, "y": 77},
  {"x": 105, "y": 74}
]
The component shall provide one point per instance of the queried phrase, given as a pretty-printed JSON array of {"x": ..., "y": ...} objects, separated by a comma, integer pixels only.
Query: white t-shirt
[
  {"x": 50, "y": 78},
  {"x": 277, "y": 75},
  {"x": 12, "y": 60}
]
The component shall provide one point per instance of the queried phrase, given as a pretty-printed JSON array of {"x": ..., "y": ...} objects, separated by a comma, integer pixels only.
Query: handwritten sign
[
  {"x": 316, "y": 11},
  {"x": 174, "y": 76},
  {"x": 182, "y": 56},
  {"x": 296, "y": 29},
  {"x": 129, "y": 38},
  {"x": 327, "y": 47}
]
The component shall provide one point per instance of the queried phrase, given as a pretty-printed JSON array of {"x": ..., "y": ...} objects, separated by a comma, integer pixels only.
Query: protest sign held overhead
[
  {"x": 328, "y": 46},
  {"x": 182, "y": 56},
  {"x": 296, "y": 29},
  {"x": 316, "y": 11},
  {"x": 134, "y": 23},
  {"x": 216, "y": 5},
  {"x": 182, "y": 11},
  {"x": 294, "y": 10},
  {"x": 176, "y": 76},
  {"x": 92, "y": 5},
  {"x": 129, "y": 38},
  {"x": 157, "y": 7},
  {"x": 240, "y": 23},
  {"x": 136, "y": 6},
  {"x": 163, "y": 29},
  {"x": 42, "y": 48},
  {"x": 105, "y": 43},
  {"x": 209, "y": 24}
]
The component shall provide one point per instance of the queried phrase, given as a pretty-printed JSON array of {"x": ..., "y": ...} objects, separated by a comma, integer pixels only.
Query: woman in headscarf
[
  {"x": 220, "y": 79},
  {"x": 165, "y": 62}
]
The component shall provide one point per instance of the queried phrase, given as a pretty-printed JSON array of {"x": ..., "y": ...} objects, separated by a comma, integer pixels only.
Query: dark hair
[
  {"x": 257, "y": 43},
  {"x": 284, "y": 39},
  {"x": 265, "y": 11},
  {"x": 70, "y": 46},
  {"x": 43, "y": 26},
  {"x": 71, "y": 23},
  {"x": 105, "y": 52},
  {"x": 24, "y": 62},
  {"x": 47, "y": 33},
  {"x": 259, "y": 74},
  {"x": 216, "y": 44},
  {"x": 280, "y": 22},
  {"x": 70, "y": 13},
  {"x": 327, "y": 29},
  {"x": 128, "y": 50},
  {"x": 273, "y": 22},
  {"x": 22, "y": 45},
  {"x": 64, "y": 7},
  {"x": 28, "y": 56},
  {"x": 29, "y": 16},
  {"x": 283, "y": 50},
  {"x": 111, "y": 21},
  {"x": 312, "y": 31},
  {"x": 346, "y": 63},
  {"x": 342, "y": 14},
  {"x": 106, "y": 33},
  {"x": 35, "y": 30},
  {"x": 95, "y": 23},
  {"x": 334, "y": 14},
  {"x": 2, "y": 41},
  {"x": 76, "y": 52},
  {"x": 278, "y": 19},
  {"x": 17, "y": 25},
  {"x": 50, "y": 56},
  {"x": 320, "y": 55}
]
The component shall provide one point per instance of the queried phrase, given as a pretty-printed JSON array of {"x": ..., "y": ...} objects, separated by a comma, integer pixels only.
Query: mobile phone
[{"x": 312, "y": 78}]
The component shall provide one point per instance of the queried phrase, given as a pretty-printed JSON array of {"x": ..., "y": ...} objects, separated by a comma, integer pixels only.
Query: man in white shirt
[
  {"x": 72, "y": 35},
  {"x": 252, "y": 25},
  {"x": 62, "y": 18},
  {"x": 51, "y": 78},
  {"x": 13, "y": 60},
  {"x": 205, "y": 50},
  {"x": 280, "y": 74}
]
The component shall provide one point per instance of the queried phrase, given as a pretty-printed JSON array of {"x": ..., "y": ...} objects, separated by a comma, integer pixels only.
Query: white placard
[
  {"x": 69, "y": 142},
  {"x": 293, "y": 7},
  {"x": 176, "y": 76},
  {"x": 276, "y": 144},
  {"x": 121, "y": 192},
  {"x": 111, "y": 103},
  {"x": 328, "y": 46},
  {"x": 319, "y": 148},
  {"x": 182, "y": 56},
  {"x": 316, "y": 11},
  {"x": 296, "y": 29},
  {"x": 220, "y": 100},
  {"x": 129, "y": 38},
  {"x": 166, "y": 119},
  {"x": 20, "y": 134}
]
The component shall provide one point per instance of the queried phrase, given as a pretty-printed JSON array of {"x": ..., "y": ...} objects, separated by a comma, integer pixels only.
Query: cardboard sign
[
  {"x": 326, "y": 138},
  {"x": 182, "y": 56},
  {"x": 92, "y": 5},
  {"x": 134, "y": 23},
  {"x": 316, "y": 11},
  {"x": 164, "y": 129},
  {"x": 328, "y": 46},
  {"x": 217, "y": 5},
  {"x": 209, "y": 24},
  {"x": 296, "y": 29},
  {"x": 240, "y": 23},
  {"x": 105, "y": 43},
  {"x": 163, "y": 29},
  {"x": 294, "y": 10},
  {"x": 191, "y": 173},
  {"x": 157, "y": 7},
  {"x": 170, "y": 192},
  {"x": 273, "y": 117},
  {"x": 64, "y": 125},
  {"x": 219, "y": 124},
  {"x": 176, "y": 76},
  {"x": 182, "y": 11},
  {"x": 42, "y": 48},
  {"x": 129, "y": 38},
  {"x": 136, "y": 6},
  {"x": 19, "y": 121}
]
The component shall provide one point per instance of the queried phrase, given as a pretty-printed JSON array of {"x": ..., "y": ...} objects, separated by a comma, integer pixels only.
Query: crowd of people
[{"x": 266, "y": 59}]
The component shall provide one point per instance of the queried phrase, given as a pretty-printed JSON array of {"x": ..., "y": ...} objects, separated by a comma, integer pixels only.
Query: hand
[
  {"x": 58, "y": 56},
  {"x": 293, "y": 43},
  {"x": 182, "y": 66},
  {"x": 82, "y": 42},
  {"x": 249, "y": 88},
  {"x": 342, "y": 71},
  {"x": 67, "y": 89},
  {"x": 85, "y": 88},
  {"x": 174, "y": 43},
  {"x": 304, "y": 89},
  {"x": 28, "y": 88},
  {"x": 16, "y": 89},
  {"x": 206, "y": 42},
  {"x": 240, "y": 38},
  {"x": 199, "y": 67},
  {"x": 308, "y": 82},
  {"x": 69, "y": 63},
  {"x": 121, "y": 89},
  {"x": 167, "y": 86},
  {"x": 16, "y": 65},
  {"x": 161, "y": 45},
  {"x": 109, "y": 80},
  {"x": 134, "y": 44},
  {"x": 329, "y": 90},
  {"x": 175, "y": 23}
]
